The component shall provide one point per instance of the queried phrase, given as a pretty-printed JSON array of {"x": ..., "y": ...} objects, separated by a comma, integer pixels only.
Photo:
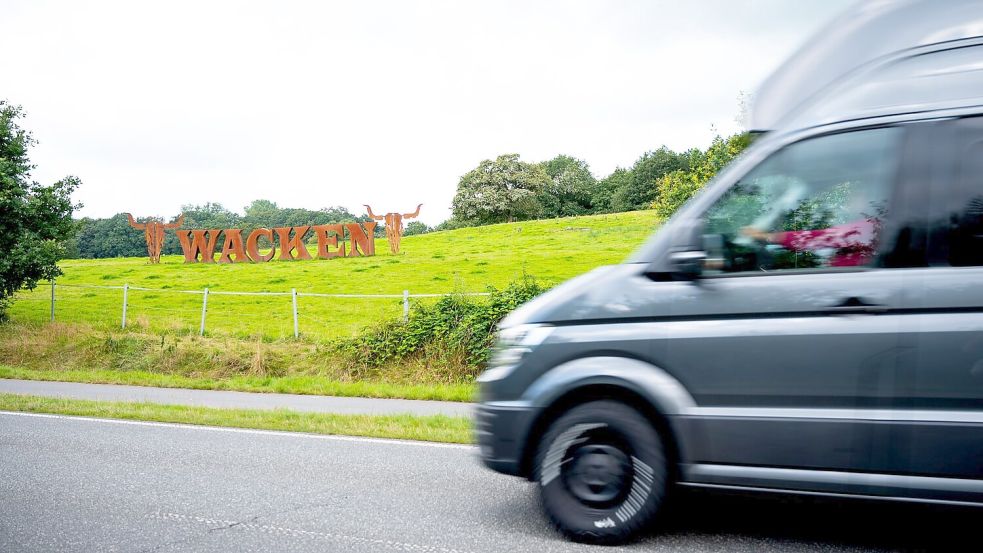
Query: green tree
[
  {"x": 114, "y": 237},
  {"x": 569, "y": 190},
  {"x": 208, "y": 216},
  {"x": 211, "y": 215},
  {"x": 640, "y": 189},
  {"x": 602, "y": 196},
  {"x": 35, "y": 220},
  {"x": 673, "y": 189},
  {"x": 416, "y": 227},
  {"x": 499, "y": 191},
  {"x": 267, "y": 214},
  {"x": 450, "y": 224},
  {"x": 261, "y": 213}
]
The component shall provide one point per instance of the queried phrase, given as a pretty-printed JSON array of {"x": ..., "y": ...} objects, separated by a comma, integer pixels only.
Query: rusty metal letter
[
  {"x": 198, "y": 245},
  {"x": 233, "y": 245},
  {"x": 290, "y": 245},
  {"x": 357, "y": 239},
  {"x": 324, "y": 240},
  {"x": 252, "y": 247}
]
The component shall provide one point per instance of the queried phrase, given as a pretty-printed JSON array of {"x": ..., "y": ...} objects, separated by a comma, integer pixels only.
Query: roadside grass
[
  {"x": 87, "y": 353},
  {"x": 462, "y": 260},
  {"x": 304, "y": 385},
  {"x": 433, "y": 428}
]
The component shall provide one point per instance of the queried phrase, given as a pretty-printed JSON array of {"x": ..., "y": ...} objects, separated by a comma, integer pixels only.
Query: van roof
[{"x": 830, "y": 77}]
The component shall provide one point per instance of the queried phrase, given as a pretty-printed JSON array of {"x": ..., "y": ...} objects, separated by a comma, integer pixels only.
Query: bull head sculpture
[
  {"x": 153, "y": 232},
  {"x": 394, "y": 225}
]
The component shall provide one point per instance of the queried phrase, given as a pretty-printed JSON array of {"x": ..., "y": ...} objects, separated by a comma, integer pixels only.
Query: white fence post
[
  {"x": 126, "y": 289},
  {"x": 204, "y": 309},
  {"x": 406, "y": 305},
  {"x": 52, "y": 301},
  {"x": 293, "y": 292}
]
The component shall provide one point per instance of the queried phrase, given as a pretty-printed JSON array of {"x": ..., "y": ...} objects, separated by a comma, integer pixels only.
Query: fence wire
[{"x": 268, "y": 314}]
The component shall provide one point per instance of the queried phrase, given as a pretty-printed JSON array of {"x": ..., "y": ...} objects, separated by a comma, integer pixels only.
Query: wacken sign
[
  {"x": 199, "y": 245},
  {"x": 335, "y": 240}
]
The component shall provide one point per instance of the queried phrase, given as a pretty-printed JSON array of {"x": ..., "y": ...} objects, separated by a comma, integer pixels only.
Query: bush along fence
[
  {"x": 290, "y": 300},
  {"x": 453, "y": 332}
]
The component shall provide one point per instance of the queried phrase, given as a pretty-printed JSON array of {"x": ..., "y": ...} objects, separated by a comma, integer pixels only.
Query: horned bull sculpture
[
  {"x": 394, "y": 225},
  {"x": 153, "y": 232}
]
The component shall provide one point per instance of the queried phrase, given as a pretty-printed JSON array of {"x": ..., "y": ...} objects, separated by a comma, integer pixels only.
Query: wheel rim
[{"x": 597, "y": 474}]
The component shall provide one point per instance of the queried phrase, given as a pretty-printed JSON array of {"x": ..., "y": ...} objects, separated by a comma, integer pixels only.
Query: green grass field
[{"x": 464, "y": 260}]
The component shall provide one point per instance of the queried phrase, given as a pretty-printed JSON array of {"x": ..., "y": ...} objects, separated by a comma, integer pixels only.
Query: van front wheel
[{"x": 601, "y": 470}]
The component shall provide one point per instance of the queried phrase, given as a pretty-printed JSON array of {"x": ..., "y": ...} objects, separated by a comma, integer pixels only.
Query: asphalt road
[
  {"x": 74, "y": 484},
  {"x": 238, "y": 400}
]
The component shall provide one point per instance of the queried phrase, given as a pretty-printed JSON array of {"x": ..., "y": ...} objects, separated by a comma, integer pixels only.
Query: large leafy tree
[
  {"x": 603, "y": 195},
  {"x": 569, "y": 190},
  {"x": 639, "y": 191},
  {"x": 210, "y": 215},
  {"x": 35, "y": 220},
  {"x": 416, "y": 227},
  {"x": 499, "y": 191},
  {"x": 261, "y": 213}
]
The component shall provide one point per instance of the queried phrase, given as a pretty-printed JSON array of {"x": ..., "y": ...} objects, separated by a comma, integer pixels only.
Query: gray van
[{"x": 811, "y": 323}]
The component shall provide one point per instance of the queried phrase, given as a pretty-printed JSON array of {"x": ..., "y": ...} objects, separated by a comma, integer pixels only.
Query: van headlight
[{"x": 513, "y": 344}]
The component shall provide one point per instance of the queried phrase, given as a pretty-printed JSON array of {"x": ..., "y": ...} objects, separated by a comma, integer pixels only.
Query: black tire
[{"x": 602, "y": 473}]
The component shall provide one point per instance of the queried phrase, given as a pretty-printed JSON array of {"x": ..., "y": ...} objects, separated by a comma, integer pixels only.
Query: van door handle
[{"x": 857, "y": 305}]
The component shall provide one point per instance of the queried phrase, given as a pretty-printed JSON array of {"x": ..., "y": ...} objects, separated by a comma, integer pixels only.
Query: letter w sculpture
[
  {"x": 153, "y": 232},
  {"x": 394, "y": 225}
]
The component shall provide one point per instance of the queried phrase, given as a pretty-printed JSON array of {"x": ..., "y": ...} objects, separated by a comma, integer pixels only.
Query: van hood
[{"x": 604, "y": 293}]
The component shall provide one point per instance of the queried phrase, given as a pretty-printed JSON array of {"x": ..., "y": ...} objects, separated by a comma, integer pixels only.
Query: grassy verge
[
  {"x": 306, "y": 385},
  {"x": 435, "y": 428},
  {"x": 84, "y": 353}
]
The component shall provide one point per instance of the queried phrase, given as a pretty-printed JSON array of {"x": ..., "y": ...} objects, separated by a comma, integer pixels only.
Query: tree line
[{"x": 508, "y": 189}]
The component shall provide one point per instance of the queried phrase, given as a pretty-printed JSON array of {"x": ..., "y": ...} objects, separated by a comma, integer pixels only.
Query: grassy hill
[{"x": 464, "y": 260}]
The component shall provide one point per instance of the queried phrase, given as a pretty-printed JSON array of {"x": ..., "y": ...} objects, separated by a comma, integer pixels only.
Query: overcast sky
[{"x": 313, "y": 104}]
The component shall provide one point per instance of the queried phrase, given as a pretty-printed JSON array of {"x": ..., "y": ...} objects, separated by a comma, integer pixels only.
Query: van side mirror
[
  {"x": 687, "y": 265},
  {"x": 687, "y": 255}
]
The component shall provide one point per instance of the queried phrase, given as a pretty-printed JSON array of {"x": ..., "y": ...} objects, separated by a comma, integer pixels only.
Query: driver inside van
[{"x": 809, "y": 223}]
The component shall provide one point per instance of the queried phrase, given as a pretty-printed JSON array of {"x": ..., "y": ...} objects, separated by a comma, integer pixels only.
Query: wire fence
[{"x": 279, "y": 314}]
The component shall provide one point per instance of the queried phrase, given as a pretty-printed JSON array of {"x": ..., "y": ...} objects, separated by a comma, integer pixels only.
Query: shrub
[
  {"x": 675, "y": 188},
  {"x": 455, "y": 332}
]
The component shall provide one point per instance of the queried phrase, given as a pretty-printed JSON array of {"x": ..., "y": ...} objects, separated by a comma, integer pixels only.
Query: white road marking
[
  {"x": 244, "y": 430},
  {"x": 293, "y": 532}
]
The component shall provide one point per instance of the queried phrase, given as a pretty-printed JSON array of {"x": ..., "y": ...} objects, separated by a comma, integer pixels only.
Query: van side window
[{"x": 814, "y": 204}]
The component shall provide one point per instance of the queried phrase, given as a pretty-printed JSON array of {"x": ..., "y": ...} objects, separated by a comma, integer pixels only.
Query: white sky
[{"x": 312, "y": 104}]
